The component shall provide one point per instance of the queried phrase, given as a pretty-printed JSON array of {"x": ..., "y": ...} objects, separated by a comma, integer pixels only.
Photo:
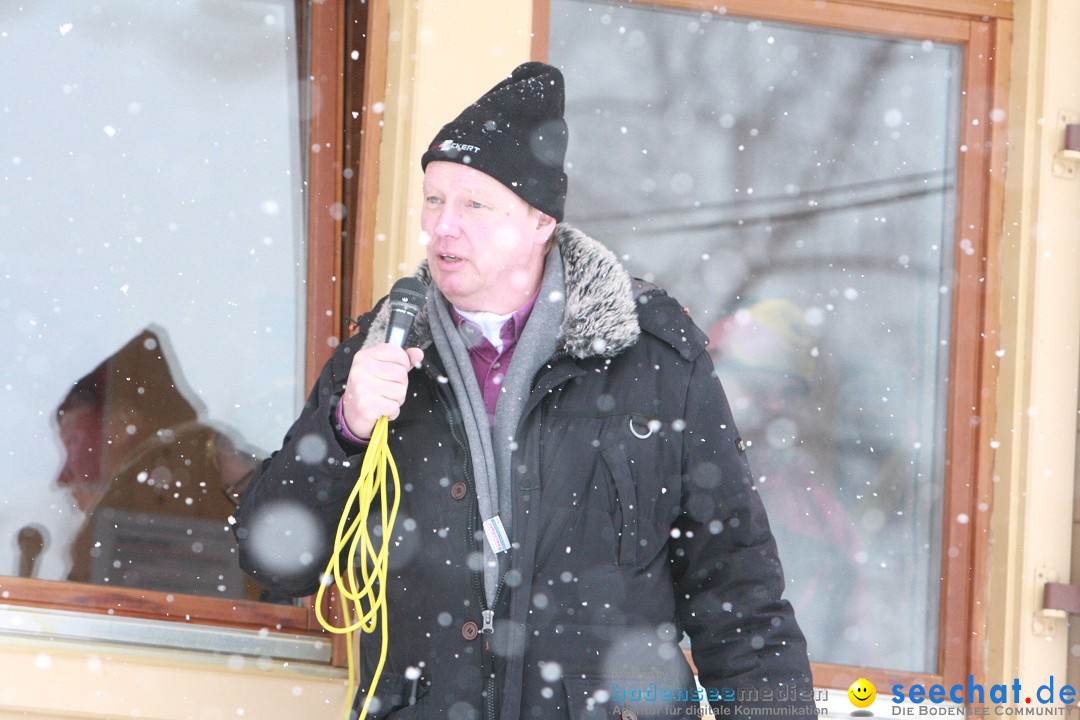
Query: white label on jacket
[{"x": 496, "y": 535}]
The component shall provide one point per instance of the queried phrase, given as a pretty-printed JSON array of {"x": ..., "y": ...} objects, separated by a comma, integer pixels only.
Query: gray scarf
[{"x": 491, "y": 448}]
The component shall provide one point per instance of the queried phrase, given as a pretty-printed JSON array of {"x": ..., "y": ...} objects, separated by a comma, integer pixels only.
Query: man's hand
[{"x": 376, "y": 386}]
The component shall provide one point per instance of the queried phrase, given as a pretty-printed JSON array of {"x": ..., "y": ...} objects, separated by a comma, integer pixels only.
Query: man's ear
[{"x": 545, "y": 226}]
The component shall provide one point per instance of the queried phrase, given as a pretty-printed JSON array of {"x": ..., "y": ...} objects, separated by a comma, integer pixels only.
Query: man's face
[
  {"x": 81, "y": 433},
  {"x": 485, "y": 244}
]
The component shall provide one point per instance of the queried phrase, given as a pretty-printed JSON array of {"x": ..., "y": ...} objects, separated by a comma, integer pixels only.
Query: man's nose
[
  {"x": 448, "y": 222},
  {"x": 66, "y": 476}
]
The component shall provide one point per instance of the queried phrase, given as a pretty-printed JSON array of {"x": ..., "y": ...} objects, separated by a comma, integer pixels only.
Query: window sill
[{"x": 234, "y": 646}]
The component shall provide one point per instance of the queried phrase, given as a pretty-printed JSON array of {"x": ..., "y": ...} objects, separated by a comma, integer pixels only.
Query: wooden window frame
[
  {"x": 333, "y": 254},
  {"x": 982, "y": 28}
]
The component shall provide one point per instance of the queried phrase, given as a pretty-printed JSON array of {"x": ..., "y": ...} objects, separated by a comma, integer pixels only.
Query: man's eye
[
  {"x": 431, "y": 200},
  {"x": 475, "y": 205}
]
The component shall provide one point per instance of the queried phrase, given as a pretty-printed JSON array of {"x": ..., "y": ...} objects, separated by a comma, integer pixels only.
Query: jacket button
[
  {"x": 458, "y": 490},
  {"x": 469, "y": 630},
  {"x": 628, "y": 715}
]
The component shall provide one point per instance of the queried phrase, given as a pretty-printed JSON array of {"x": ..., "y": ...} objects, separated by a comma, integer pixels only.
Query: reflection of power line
[
  {"x": 834, "y": 190},
  {"x": 808, "y": 213},
  {"x": 802, "y": 206},
  {"x": 852, "y": 263}
]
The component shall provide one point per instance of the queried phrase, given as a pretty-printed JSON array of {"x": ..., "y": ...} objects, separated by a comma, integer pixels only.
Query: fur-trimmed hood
[{"x": 600, "y": 318}]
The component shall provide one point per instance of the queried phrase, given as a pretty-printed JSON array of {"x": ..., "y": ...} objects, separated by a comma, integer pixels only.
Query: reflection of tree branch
[
  {"x": 727, "y": 68},
  {"x": 752, "y": 276},
  {"x": 802, "y": 264},
  {"x": 844, "y": 123}
]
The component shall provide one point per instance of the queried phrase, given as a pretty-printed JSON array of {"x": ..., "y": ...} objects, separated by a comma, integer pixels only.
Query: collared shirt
[{"x": 489, "y": 363}]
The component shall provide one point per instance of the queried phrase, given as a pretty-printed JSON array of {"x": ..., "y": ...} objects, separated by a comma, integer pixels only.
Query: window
[
  {"x": 812, "y": 184},
  {"x": 172, "y": 210}
]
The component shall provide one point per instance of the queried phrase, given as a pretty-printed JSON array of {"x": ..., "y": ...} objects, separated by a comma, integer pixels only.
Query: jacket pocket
[
  {"x": 595, "y": 696},
  {"x": 395, "y": 697},
  {"x": 582, "y": 702},
  {"x": 626, "y": 503}
]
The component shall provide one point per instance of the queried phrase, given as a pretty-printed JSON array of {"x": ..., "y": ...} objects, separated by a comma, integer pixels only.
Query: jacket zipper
[{"x": 487, "y": 614}]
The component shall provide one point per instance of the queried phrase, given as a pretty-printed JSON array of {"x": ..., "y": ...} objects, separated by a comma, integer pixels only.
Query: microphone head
[
  {"x": 408, "y": 295},
  {"x": 406, "y": 298}
]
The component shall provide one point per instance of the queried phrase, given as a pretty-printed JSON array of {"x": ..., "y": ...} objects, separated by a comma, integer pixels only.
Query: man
[{"x": 544, "y": 390}]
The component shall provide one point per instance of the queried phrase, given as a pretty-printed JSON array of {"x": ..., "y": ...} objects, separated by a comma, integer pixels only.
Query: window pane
[
  {"x": 151, "y": 282},
  {"x": 795, "y": 188}
]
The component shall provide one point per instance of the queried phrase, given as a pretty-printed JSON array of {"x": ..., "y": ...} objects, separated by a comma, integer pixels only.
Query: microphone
[{"x": 407, "y": 297}]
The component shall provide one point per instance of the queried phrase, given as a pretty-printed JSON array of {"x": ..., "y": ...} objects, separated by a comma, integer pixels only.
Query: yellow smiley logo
[{"x": 862, "y": 693}]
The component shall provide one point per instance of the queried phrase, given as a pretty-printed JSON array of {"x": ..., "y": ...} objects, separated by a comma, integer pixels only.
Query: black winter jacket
[{"x": 635, "y": 519}]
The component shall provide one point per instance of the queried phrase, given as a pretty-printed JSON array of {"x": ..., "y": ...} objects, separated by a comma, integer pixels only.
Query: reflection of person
[
  {"x": 764, "y": 354},
  {"x": 151, "y": 478},
  {"x": 605, "y": 447}
]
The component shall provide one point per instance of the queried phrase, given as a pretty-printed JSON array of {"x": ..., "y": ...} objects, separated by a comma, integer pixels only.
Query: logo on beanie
[{"x": 448, "y": 145}]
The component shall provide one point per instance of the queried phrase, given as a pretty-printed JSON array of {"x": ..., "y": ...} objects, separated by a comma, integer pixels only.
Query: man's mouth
[{"x": 449, "y": 258}]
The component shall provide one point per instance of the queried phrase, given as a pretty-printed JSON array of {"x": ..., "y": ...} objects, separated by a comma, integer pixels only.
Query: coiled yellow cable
[{"x": 354, "y": 542}]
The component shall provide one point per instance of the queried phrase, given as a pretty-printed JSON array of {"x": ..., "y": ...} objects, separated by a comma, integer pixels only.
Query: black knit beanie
[{"x": 516, "y": 134}]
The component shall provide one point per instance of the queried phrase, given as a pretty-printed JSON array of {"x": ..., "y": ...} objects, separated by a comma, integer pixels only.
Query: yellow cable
[{"x": 368, "y": 600}]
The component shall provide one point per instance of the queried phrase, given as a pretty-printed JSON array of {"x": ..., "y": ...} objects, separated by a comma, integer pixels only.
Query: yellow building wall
[
  {"x": 43, "y": 680},
  {"x": 1035, "y": 472},
  {"x": 442, "y": 56}
]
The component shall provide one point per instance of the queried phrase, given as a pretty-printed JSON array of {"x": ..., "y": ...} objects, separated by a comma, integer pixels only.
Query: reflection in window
[
  {"x": 152, "y": 479},
  {"x": 153, "y": 263},
  {"x": 795, "y": 188}
]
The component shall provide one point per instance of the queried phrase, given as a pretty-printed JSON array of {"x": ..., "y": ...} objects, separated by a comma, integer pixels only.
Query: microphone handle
[{"x": 400, "y": 324}]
